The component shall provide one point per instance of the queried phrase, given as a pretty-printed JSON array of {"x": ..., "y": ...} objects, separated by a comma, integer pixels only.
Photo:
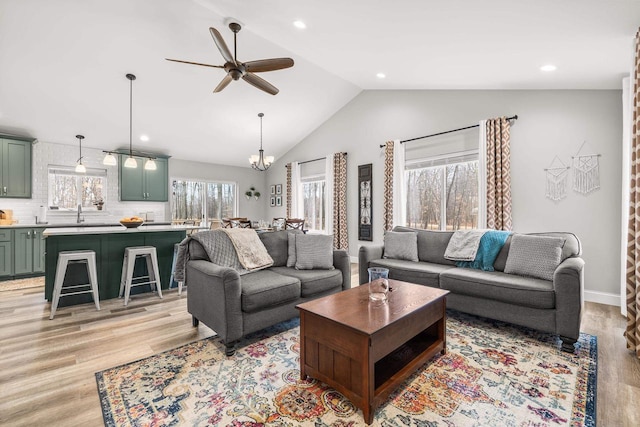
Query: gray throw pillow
[
  {"x": 534, "y": 256},
  {"x": 314, "y": 251},
  {"x": 401, "y": 245},
  {"x": 276, "y": 243},
  {"x": 291, "y": 259}
]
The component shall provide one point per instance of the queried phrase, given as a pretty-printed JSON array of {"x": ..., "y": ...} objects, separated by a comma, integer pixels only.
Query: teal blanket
[{"x": 489, "y": 248}]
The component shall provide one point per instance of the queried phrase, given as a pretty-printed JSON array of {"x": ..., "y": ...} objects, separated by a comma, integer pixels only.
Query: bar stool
[
  {"x": 173, "y": 270},
  {"x": 128, "y": 263},
  {"x": 72, "y": 257}
]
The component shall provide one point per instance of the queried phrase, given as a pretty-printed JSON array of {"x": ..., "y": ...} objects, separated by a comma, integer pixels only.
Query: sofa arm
[
  {"x": 342, "y": 262},
  {"x": 214, "y": 298},
  {"x": 365, "y": 255},
  {"x": 568, "y": 282}
]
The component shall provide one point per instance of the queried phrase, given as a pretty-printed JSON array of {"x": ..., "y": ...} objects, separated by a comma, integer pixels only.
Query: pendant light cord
[{"x": 130, "y": 117}]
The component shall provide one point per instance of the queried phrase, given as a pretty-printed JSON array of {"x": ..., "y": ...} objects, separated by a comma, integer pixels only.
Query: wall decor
[
  {"x": 556, "y": 180},
  {"x": 272, "y": 201},
  {"x": 251, "y": 192},
  {"x": 586, "y": 171},
  {"x": 278, "y": 200},
  {"x": 273, "y": 189},
  {"x": 364, "y": 202},
  {"x": 278, "y": 188}
]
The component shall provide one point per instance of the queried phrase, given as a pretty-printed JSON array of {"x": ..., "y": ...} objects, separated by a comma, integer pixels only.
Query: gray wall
[
  {"x": 244, "y": 177},
  {"x": 550, "y": 123}
]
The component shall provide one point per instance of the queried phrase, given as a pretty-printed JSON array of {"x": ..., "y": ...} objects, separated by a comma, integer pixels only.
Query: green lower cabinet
[
  {"x": 28, "y": 251},
  {"x": 6, "y": 259}
]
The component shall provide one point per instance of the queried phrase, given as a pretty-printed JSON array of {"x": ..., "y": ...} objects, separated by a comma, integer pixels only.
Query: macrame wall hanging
[
  {"x": 586, "y": 171},
  {"x": 556, "y": 174}
]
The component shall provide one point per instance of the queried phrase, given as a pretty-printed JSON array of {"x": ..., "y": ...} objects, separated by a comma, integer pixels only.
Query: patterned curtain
[
  {"x": 340, "y": 237},
  {"x": 498, "y": 174},
  {"x": 632, "y": 332},
  {"x": 288, "y": 166},
  {"x": 388, "y": 186}
]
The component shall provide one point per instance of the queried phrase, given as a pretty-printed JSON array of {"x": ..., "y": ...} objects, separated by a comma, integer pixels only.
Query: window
[
  {"x": 197, "y": 201},
  {"x": 441, "y": 178},
  {"x": 314, "y": 204},
  {"x": 68, "y": 189}
]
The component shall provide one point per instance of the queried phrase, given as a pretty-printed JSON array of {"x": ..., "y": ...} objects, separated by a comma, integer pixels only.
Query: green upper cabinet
[
  {"x": 139, "y": 184},
  {"x": 15, "y": 159}
]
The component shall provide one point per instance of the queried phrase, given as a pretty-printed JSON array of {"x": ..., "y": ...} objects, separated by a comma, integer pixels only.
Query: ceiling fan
[{"x": 245, "y": 70}]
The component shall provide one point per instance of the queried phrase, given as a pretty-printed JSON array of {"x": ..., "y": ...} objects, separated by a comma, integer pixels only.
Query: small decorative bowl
[{"x": 132, "y": 224}]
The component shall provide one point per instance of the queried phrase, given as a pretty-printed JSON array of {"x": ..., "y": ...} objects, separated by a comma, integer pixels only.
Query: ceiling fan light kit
[
  {"x": 259, "y": 162},
  {"x": 237, "y": 70}
]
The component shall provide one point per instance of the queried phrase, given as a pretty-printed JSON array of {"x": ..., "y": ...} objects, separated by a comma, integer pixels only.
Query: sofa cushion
[
  {"x": 277, "y": 244},
  {"x": 571, "y": 248},
  {"x": 431, "y": 244},
  {"x": 401, "y": 245},
  {"x": 534, "y": 256},
  {"x": 494, "y": 285},
  {"x": 422, "y": 273},
  {"x": 313, "y": 281},
  {"x": 265, "y": 288},
  {"x": 314, "y": 251}
]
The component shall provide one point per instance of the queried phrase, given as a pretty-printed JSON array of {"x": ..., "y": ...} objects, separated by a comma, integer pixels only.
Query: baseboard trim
[{"x": 602, "y": 298}]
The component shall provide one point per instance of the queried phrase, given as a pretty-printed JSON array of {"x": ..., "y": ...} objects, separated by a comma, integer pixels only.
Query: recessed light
[
  {"x": 381, "y": 75},
  {"x": 299, "y": 24},
  {"x": 144, "y": 138},
  {"x": 548, "y": 67}
]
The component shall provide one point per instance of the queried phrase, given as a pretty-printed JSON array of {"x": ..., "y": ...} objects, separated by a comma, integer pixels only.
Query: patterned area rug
[{"x": 493, "y": 374}]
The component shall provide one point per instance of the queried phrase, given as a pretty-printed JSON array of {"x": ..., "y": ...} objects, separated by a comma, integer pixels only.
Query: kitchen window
[
  {"x": 68, "y": 188},
  {"x": 203, "y": 201}
]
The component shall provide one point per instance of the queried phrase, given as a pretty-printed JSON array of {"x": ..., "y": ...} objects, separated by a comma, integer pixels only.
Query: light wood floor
[{"x": 47, "y": 366}]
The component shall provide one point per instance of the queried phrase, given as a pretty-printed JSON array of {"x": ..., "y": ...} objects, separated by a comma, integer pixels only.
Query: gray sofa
[
  {"x": 235, "y": 305},
  {"x": 551, "y": 306}
]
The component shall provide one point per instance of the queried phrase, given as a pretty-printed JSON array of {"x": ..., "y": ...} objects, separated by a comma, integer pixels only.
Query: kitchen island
[{"x": 109, "y": 244}]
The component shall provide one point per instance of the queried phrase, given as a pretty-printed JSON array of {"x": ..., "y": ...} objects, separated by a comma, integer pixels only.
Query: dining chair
[{"x": 294, "y": 224}]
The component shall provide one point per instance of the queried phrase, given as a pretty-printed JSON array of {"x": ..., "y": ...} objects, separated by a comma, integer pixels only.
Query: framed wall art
[
  {"x": 364, "y": 202},
  {"x": 278, "y": 189},
  {"x": 273, "y": 189},
  {"x": 272, "y": 201},
  {"x": 278, "y": 200}
]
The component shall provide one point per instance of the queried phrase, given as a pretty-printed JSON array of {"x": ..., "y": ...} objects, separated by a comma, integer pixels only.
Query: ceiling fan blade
[
  {"x": 224, "y": 83},
  {"x": 195, "y": 63},
  {"x": 222, "y": 46},
  {"x": 262, "y": 65},
  {"x": 260, "y": 83}
]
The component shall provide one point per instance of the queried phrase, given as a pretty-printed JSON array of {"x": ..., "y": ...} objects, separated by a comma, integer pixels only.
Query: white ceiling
[{"x": 63, "y": 63}]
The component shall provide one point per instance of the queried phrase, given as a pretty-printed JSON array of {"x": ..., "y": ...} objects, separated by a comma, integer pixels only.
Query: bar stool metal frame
[
  {"x": 72, "y": 257},
  {"x": 128, "y": 263},
  {"x": 173, "y": 270}
]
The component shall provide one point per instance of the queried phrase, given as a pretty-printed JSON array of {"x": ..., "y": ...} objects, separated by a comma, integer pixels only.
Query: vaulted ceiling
[{"x": 63, "y": 63}]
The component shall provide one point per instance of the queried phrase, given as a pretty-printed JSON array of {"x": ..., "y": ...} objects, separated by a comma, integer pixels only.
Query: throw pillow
[
  {"x": 534, "y": 256},
  {"x": 291, "y": 259},
  {"x": 314, "y": 251},
  {"x": 401, "y": 245}
]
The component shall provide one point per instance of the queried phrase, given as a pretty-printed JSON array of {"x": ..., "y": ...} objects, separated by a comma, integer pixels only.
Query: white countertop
[{"x": 67, "y": 231}]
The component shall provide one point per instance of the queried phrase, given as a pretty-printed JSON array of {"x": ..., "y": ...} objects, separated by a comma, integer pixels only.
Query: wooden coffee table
[{"x": 365, "y": 350}]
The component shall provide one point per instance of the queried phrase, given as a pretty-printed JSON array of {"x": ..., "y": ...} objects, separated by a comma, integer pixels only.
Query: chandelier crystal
[{"x": 260, "y": 162}]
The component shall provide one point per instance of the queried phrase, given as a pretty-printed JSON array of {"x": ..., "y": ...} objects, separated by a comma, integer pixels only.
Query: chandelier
[{"x": 260, "y": 162}]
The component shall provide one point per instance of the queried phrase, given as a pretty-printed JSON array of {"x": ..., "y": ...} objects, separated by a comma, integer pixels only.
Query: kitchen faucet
[{"x": 78, "y": 219}]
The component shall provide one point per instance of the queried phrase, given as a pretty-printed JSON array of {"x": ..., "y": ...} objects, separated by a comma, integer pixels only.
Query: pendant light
[
  {"x": 150, "y": 165},
  {"x": 109, "y": 159},
  {"x": 130, "y": 162},
  {"x": 79, "y": 166},
  {"x": 260, "y": 162}
]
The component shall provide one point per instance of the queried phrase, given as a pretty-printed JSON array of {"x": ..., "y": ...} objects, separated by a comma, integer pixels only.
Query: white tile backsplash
[{"x": 45, "y": 154}]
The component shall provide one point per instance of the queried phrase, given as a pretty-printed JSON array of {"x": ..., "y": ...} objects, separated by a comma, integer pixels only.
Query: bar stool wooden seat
[
  {"x": 71, "y": 257},
  {"x": 128, "y": 280}
]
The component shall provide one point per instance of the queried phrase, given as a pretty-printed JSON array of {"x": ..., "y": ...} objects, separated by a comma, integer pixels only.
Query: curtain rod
[
  {"x": 313, "y": 160},
  {"x": 515, "y": 117}
]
